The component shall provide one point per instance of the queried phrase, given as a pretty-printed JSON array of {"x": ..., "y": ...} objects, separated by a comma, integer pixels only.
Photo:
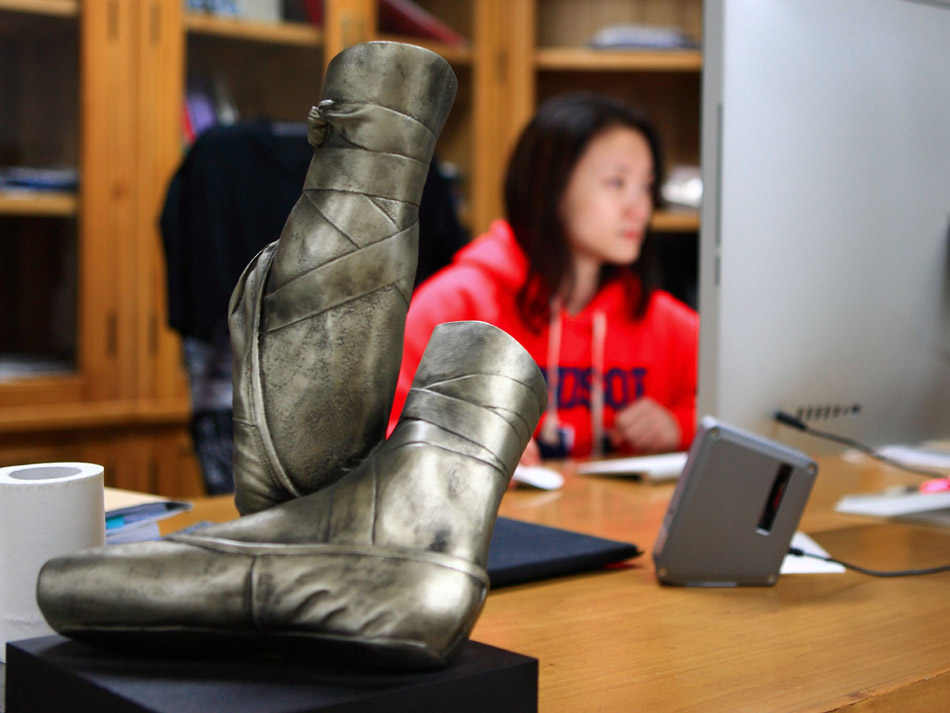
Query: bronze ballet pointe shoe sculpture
[
  {"x": 385, "y": 567},
  {"x": 379, "y": 558},
  {"x": 317, "y": 318}
]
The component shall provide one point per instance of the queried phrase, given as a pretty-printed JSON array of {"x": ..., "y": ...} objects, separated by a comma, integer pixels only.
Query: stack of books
[{"x": 256, "y": 10}]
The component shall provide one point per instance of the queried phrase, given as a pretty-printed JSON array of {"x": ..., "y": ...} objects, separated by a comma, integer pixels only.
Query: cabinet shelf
[
  {"x": 458, "y": 56},
  {"x": 85, "y": 415},
  {"x": 297, "y": 34},
  {"x": 56, "y": 8},
  {"x": 39, "y": 204},
  {"x": 675, "y": 221},
  {"x": 582, "y": 59}
]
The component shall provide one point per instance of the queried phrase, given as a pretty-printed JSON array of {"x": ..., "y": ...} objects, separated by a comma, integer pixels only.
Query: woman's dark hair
[{"x": 537, "y": 176}]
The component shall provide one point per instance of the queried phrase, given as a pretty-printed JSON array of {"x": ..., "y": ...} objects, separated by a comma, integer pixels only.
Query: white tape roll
[{"x": 46, "y": 510}]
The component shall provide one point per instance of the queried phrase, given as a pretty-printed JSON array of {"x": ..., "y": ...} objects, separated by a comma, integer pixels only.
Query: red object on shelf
[
  {"x": 315, "y": 12},
  {"x": 407, "y": 18},
  {"x": 186, "y": 127}
]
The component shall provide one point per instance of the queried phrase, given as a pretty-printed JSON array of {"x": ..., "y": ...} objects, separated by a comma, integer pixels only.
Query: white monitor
[{"x": 825, "y": 241}]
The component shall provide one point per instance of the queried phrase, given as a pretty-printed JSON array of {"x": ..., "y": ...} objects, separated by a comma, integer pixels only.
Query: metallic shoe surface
[
  {"x": 385, "y": 566},
  {"x": 317, "y": 318}
]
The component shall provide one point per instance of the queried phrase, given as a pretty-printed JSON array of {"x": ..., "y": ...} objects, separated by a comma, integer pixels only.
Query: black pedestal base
[{"x": 53, "y": 675}]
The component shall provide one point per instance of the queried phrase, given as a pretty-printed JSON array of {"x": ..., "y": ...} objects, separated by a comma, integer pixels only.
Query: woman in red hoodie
[{"x": 570, "y": 275}]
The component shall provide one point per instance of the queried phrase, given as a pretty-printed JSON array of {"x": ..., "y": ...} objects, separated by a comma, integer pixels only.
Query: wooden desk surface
[{"x": 618, "y": 641}]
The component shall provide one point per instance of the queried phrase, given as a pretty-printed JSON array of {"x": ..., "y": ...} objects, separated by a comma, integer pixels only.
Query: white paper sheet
[
  {"x": 893, "y": 503},
  {"x": 918, "y": 456},
  {"x": 666, "y": 466},
  {"x": 808, "y": 565},
  {"x": 538, "y": 476}
]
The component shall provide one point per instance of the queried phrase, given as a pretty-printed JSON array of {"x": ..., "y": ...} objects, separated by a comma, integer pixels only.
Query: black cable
[
  {"x": 790, "y": 420},
  {"x": 796, "y": 423},
  {"x": 797, "y": 552}
]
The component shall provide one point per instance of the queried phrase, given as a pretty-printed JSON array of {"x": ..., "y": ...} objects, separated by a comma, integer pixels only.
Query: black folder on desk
[{"x": 525, "y": 552}]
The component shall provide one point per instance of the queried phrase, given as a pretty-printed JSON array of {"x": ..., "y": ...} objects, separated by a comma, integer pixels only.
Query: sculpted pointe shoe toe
[
  {"x": 385, "y": 566},
  {"x": 317, "y": 318}
]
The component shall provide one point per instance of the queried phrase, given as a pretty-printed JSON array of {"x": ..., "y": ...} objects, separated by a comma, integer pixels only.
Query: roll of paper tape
[{"x": 46, "y": 510}]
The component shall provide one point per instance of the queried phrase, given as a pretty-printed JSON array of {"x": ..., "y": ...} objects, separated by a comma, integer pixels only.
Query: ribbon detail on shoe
[
  {"x": 339, "y": 281},
  {"x": 331, "y": 549},
  {"x": 482, "y": 433},
  {"x": 380, "y": 175},
  {"x": 253, "y": 445}
]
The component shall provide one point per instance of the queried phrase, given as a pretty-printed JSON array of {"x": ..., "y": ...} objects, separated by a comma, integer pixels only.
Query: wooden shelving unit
[
  {"x": 69, "y": 76},
  {"x": 101, "y": 83},
  {"x": 39, "y": 92}
]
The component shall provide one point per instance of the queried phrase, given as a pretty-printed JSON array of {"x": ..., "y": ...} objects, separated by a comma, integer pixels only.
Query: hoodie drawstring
[
  {"x": 549, "y": 429},
  {"x": 597, "y": 385}
]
